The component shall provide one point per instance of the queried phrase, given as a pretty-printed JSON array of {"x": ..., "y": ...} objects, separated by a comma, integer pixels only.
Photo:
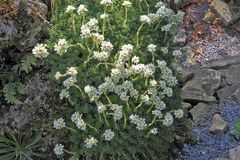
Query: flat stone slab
[
  {"x": 231, "y": 74},
  {"x": 227, "y": 92},
  {"x": 227, "y": 14},
  {"x": 223, "y": 64},
  {"x": 219, "y": 125},
  {"x": 234, "y": 153},
  {"x": 199, "y": 110}
]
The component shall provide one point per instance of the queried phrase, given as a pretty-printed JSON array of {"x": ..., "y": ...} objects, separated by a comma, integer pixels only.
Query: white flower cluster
[
  {"x": 145, "y": 19},
  {"x": 61, "y": 47},
  {"x": 70, "y": 9},
  {"x": 177, "y": 53},
  {"x": 59, "y": 123},
  {"x": 77, "y": 119},
  {"x": 117, "y": 112},
  {"x": 40, "y": 51},
  {"x": 104, "y": 16},
  {"x": 106, "y": 48},
  {"x": 179, "y": 113},
  {"x": 68, "y": 82},
  {"x": 168, "y": 120},
  {"x": 90, "y": 142},
  {"x": 92, "y": 92},
  {"x": 154, "y": 131},
  {"x": 140, "y": 122},
  {"x": 127, "y": 4},
  {"x": 82, "y": 9},
  {"x": 58, "y": 149},
  {"x": 152, "y": 48},
  {"x": 88, "y": 29},
  {"x": 106, "y": 2},
  {"x": 108, "y": 135}
]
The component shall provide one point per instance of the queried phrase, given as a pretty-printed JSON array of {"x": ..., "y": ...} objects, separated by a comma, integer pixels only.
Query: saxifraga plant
[
  {"x": 116, "y": 71},
  {"x": 20, "y": 147}
]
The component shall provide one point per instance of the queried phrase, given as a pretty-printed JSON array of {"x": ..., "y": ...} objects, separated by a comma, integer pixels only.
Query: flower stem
[
  {"x": 126, "y": 17},
  {"x": 105, "y": 118},
  {"x": 153, "y": 121},
  {"x": 159, "y": 22},
  {"x": 147, "y": 5},
  {"x": 153, "y": 57},
  {"x": 90, "y": 126},
  {"x": 138, "y": 106},
  {"x": 73, "y": 24},
  {"x": 79, "y": 90},
  {"x": 71, "y": 129},
  {"x": 139, "y": 29}
]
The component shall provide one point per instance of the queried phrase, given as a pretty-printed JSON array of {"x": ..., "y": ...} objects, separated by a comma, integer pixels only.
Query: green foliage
[
  {"x": 21, "y": 147},
  {"x": 121, "y": 28},
  {"x": 27, "y": 62},
  {"x": 236, "y": 131},
  {"x": 11, "y": 90}
]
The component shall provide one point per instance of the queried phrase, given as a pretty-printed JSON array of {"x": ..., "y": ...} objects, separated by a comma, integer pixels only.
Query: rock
[
  {"x": 202, "y": 86},
  {"x": 186, "y": 106},
  {"x": 180, "y": 38},
  {"x": 199, "y": 110},
  {"x": 236, "y": 97},
  {"x": 226, "y": 13},
  {"x": 186, "y": 76},
  {"x": 227, "y": 92},
  {"x": 21, "y": 22},
  {"x": 234, "y": 153},
  {"x": 219, "y": 125},
  {"x": 231, "y": 74},
  {"x": 181, "y": 3},
  {"x": 223, "y": 64}
]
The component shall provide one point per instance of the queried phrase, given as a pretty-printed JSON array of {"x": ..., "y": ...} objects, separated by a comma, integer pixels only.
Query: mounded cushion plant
[{"x": 113, "y": 59}]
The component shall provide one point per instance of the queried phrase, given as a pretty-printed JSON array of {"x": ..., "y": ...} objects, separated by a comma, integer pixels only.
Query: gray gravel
[{"x": 211, "y": 146}]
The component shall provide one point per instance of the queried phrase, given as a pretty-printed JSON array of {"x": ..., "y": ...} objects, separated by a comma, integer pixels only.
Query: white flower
[
  {"x": 135, "y": 60},
  {"x": 153, "y": 83},
  {"x": 106, "y": 2},
  {"x": 154, "y": 131},
  {"x": 157, "y": 113},
  {"x": 145, "y": 19},
  {"x": 58, "y": 149},
  {"x": 70, "y": 82},
  {"x": 85, "y": 31},
  {"x": 104, "y": 16},
  {"x": 98, "y": 38},
  {"x": 178, "y": 113},
  {"x": 164, "y": 50},
  {"x": 89, "y": 142},
  {"x": 140, "y": 122},
  {"x": 40, "y": 51},
  {"x": 127, "y": 4},
  {"x": 128, "y": 48},
  {"x": 106, "y": 46},
  {"x": 82, "y": 9},
  {"x": 64, "y": 94},
  {"x": 92, "y": 24},
  {"x": 166, "y": 28},
  {"x": 92, "y": 92},
  {"x": 117, "y": 114},
  {"x": 77, "y": 119},
  {"x": 59, "y": 123},
  {"x": 70, "y": 9},
  {"x": 108, "y": 135},
  {"x": 152, "y": 48},
  {"x": 101, "y": 56},
  {"x": 61, "y": 47},
  {"x": 58, "y": 75},
  {"x": 177, "y": 53},
  {"x": 159, "y": 4},
  {"x": 72, "y": 71},
  {"x": 145, "y": 98},
  {"x": 101, "y": 108},
  {"x": 168, "y": 120}
]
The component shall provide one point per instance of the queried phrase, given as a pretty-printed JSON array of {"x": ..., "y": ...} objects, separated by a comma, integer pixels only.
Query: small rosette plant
[{"x": 116, "y": 73}]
